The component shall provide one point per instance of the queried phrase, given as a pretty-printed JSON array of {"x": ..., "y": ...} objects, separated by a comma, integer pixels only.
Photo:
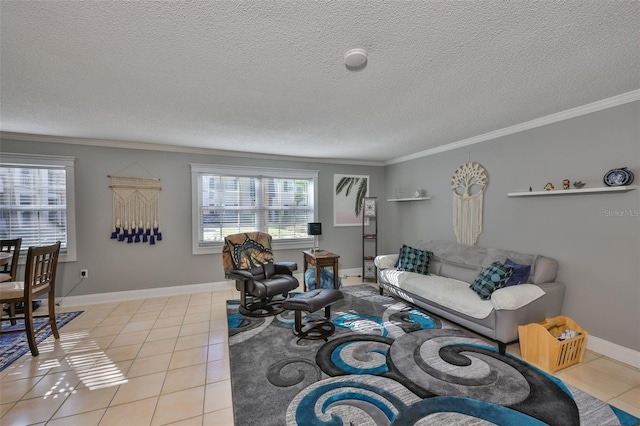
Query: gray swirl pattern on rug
[{"x": 390, "y": 364}]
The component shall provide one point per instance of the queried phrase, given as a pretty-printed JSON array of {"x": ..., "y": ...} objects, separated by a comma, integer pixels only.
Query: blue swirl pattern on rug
[
  {"x": 361, "y": 323},
  {"x": 390, "y": 364}
]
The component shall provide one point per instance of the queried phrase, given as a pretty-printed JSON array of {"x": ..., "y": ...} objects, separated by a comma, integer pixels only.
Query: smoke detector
[{"x": 355, "y": 58}]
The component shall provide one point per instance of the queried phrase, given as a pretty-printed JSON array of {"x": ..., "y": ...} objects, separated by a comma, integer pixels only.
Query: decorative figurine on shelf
[
  {"x": 579, "y": 184},
  {"x": 549, "y": 187},
  {"x": 566, "y": 184},
  {"x": 530, "y": 189}
]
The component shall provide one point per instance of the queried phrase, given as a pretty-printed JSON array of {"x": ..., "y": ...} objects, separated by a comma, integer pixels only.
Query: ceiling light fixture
[{"x": 355, "y": 58}]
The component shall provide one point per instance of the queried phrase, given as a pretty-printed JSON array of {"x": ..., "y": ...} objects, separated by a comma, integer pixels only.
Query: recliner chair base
[{"x": 261, "y": 307}]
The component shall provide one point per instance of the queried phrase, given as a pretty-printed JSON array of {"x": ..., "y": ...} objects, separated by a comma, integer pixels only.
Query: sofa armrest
[
  {"x": 547, "y": 306},
  {"x": 554, "y": 297},
  {"x": 516, "y": 296},
  {"x": 386, "y": 261}
]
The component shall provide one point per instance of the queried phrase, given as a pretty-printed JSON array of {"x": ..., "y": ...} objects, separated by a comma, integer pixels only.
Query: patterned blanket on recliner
[{"x": 246, "y": 251}]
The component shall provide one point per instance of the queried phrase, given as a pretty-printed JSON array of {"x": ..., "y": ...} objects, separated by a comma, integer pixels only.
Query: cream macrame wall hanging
[
  {"x": 135, "y": 209},
  {"x": 468, "y": 184}
]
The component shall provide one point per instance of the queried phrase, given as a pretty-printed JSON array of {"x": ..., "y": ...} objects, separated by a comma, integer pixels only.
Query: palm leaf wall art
[{"x": 350, "y": 191}]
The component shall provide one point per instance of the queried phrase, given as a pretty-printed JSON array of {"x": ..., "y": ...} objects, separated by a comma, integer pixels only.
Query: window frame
[
  {"x": 247, "y": 171},
  {"x": 67, "y": 254}
]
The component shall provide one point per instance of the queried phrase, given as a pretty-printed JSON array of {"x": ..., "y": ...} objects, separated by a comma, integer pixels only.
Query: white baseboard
[
  {"x": 353, "y": 272},
  {"x": 122, "y": 296},
  {"x": 614, "y": 351}
]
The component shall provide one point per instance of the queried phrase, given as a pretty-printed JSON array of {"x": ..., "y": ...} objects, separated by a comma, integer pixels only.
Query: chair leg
[
  {"x": 502, "y": 348},
  {"x": 327, "y": 312},
  {"x": 319, "y": 329},
  {"x": 52, "y": 314},
  {"x": 28, "y": 325},
  {"x": 12, "y": 313}
]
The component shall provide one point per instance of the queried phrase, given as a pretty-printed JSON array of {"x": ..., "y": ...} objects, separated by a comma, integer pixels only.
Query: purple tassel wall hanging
[{"x": 136, "y": 205}]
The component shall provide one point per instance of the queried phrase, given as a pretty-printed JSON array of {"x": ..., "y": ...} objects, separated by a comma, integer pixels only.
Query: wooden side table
[{"x": 319, "y": 259}]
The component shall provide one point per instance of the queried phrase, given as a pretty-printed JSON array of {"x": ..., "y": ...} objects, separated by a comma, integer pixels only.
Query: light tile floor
[{"x": 165, "y": 361}]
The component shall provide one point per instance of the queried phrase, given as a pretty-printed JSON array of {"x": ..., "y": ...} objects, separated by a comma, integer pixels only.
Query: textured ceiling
[{"x": 269, "y": 77}]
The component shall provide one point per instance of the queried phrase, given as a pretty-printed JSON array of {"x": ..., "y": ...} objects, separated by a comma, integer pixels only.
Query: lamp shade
[{"x": 314, "y": 228}]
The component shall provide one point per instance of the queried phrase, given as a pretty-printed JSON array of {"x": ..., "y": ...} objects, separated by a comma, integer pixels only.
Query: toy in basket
[{"x": 552, "y": 344}]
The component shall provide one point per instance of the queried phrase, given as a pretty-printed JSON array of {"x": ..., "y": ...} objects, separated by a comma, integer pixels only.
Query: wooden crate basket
[{"x": 539, "y": 344}]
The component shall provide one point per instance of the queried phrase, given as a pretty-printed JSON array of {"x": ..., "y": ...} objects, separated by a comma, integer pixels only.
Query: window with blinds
[
  {"x": 35, "y": 203},
  {"x": 230, "y": 200}
]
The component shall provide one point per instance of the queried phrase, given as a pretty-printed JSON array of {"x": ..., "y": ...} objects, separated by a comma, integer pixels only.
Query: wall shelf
[
  {"x": 572, "y": 191},
  {"x": 409, "y": 199}
]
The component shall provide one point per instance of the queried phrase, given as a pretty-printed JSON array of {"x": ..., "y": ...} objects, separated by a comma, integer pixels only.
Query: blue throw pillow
[
  {"x": 414, "y": 260},
  {"x": 520, "y": 273},
  {"x": 397, "y": 265},
  {"x": 491, "y": 279}
]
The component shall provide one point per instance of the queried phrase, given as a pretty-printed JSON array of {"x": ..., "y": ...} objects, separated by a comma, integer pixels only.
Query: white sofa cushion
[
  {"x": 456, "y": 295},
  {"x": 447, "y": 292}
]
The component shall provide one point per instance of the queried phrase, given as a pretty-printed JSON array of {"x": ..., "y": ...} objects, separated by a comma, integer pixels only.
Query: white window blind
[
  {"x": 230, "y": 200},
  {"x": 35, "y": 201}
]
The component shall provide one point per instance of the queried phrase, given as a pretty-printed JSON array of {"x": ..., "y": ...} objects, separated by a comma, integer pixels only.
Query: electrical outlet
[{"x": 84, "y": 273}]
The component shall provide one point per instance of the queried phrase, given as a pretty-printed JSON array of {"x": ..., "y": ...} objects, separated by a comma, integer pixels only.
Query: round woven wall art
[{"x": 468, "y": 184}]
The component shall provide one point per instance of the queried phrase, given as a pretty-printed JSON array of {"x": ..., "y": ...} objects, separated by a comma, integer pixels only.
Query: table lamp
[{"x": 315, "y": 229}]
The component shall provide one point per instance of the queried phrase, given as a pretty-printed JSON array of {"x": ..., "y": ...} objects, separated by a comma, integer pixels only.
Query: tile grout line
[{"x": 110, "y": 405}]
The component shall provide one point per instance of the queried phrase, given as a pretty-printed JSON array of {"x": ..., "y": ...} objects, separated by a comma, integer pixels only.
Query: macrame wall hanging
[
  {"x": 135, "y": 209},
  {"x": 468, "y": 184}
]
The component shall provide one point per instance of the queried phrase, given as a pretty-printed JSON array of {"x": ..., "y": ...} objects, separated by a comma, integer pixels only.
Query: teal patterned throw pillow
[
  {"x": 414, "y": 260},
  {"x": 491, "y": 279}
]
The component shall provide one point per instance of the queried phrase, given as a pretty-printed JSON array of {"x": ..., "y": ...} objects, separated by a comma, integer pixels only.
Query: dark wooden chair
[
  {"x": 9, "y": 270},
  {"x": 40, "y": 278}
]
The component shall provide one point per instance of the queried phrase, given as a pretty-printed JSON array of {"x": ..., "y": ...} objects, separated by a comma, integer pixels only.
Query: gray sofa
[{"x": 446, "y": 293}]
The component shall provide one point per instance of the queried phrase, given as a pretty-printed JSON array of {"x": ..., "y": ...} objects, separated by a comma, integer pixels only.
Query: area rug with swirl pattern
[{"x": 391, "y": 364}]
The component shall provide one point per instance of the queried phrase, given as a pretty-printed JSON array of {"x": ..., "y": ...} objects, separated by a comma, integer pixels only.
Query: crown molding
[
  {"x": 32, "y": 137},
  {"x": 538, "y": 122}
]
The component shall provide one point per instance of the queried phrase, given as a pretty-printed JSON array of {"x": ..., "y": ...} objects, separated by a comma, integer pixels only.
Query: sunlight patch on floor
[{"x": 96, "y": 370}]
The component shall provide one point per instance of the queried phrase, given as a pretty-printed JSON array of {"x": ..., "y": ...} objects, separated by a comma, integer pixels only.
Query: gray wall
[
  {"x": 595, "y": 237},
  {"x": 117, "y": 266}
]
